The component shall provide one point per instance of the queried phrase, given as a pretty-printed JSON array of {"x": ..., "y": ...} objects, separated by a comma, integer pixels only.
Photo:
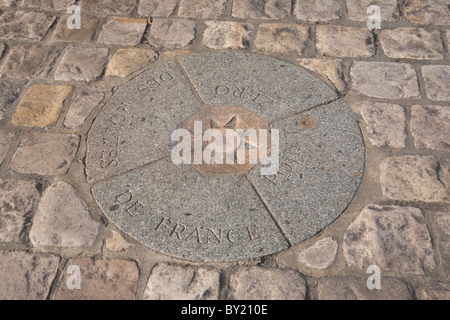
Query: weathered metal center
[{"x": 224, "y": 212}]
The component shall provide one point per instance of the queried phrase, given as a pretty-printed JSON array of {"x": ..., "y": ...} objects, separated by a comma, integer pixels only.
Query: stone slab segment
[
  {"x": 9, "y": 91},
  {"x": 282, "y": 39},
  {"x": 256, "y": 283},
  {"x": 6, "y": 136},
  {"x": 321, "y": 164},
  {"x": 437, "y": 82},
  {"x": 126, "y": 61},
  {"x": 45, "y": 154},
  {"x": 199, "y": 9},
  {"x": 415, "y": 178},
  {"x": 265, "y": 9},
  {"x": 41, "y": 105},
  {"x": 170, "y": 282},
  {"x": 122, "y": 31},
  {"x": 386, "y": 123},
  {"x": 135, "y": 126},
  {"x": 26, "y": 61},
  {"x": 86, "y": 100},
  {"x": 82, "y": 63},
  {"x": 434, "y": 291},
  {"x": 332, "y": 69},
  {"x": 157, "y": 8},
  {"x": 201, "y": 218},
  {"x": 63, "y": 219},
  {"x": 386, "y": 80},
  {"x": 227, "y": 35},
  {"x": 392, "y": 238},
  {"x": 357, "y": 10},
  {"x": 49, "y": 4},
  {"x": 430, "y": 127},
  {"x": 26, "y": 276},
  {"x": 312, "y": 10},
  {"x": 412, "y": 43},
  {"x": 350, "y": 288},
  {"x": 106, "y": 279},
  {"x": 427, "y": 12},
  {"x": 18, "y": 199},
  {"x": 21, "y": 25},
  {"x": 443, "y": 228},
  {"x": 252, "y": 81},
  {"x": 123, "y": 7},
  {"x": 342, "y": 41},
  {"x": 321, "y": 255},
  {"x": 85, "y": 34},
  {"x": 172, "y": 33}
]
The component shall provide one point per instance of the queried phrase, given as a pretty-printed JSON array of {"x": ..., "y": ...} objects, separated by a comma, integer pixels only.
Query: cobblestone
[
  {"x": 350, "y": 288},
  {"x": 63, "y": 219},
  {"x": 41, "y": 105},
  {"x": 157, "y": 8},
  {"x": 9, "y": 91},
  {"x": 262, "y": 9},
  {"x": 30, "y": 61},
  {"x": 393, "y": 238},
  {"x": 437, "y": 82},
  {"x": 386, "y": 123},
  {"x": 443, "y": 227},
  {"x": 434, "y": 291},
  {"x": 321, "y": 255},
  {"x": 45, "y": 154},
  {"x": 80, "y": 109},
  {"x": 26, "y": 276},
  {"x": 386, "y": 80},
  {"x": 311, "y": 10},
  {"x": 6, "y": 136},
  {"x": 169, "y": 282},
  {"x": 336, "y": 41},
  {"x": 82, "y": 64},
  {"x": 123, "y": 31},
  {"x": 415, "y": 178},
  {"x": 257, "y": 283},
  {"x": 412, "y": 43},
  {"x": 126, "y": 61},
  {"x": 227, "y": 35},
  {"x": 85, "y": 34},
  {"x": 357, "y": 10},
  {"x": 332, "y": 69},
  {"x": 172, "y": 33},
  {"x": 21, "y": 25},
  {"x": 198, "y": 9},
  {"x": 49, "y": 4},
  {"x": 427, "y": 11},
  {"x": 108, "y": 6},
  {"x": 104, "y": 279},
  {"x": 430, "y": 127},
  {"x": 18, "y": 199},
  {"x": 292, "y": 40}
]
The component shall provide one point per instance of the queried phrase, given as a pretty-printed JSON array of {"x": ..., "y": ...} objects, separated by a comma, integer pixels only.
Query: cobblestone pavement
[{"x": 54, "y": 82}]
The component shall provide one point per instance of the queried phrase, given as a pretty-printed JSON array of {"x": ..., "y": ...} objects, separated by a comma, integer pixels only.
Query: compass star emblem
[{"x": 225, "y": 119}]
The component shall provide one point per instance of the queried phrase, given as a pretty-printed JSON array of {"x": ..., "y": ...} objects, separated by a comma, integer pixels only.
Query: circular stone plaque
[{"x": 229, "y": 212}]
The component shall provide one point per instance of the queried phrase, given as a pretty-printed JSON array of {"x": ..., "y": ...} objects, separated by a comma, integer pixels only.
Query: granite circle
[{"x": 182, "y": 212}]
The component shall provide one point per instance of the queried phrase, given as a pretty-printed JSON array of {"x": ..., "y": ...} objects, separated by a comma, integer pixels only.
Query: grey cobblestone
[
  {"x": 311, "y": 10},
  {"x": 386, "y": 80},
  {"x": 82, "y": 64}
]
